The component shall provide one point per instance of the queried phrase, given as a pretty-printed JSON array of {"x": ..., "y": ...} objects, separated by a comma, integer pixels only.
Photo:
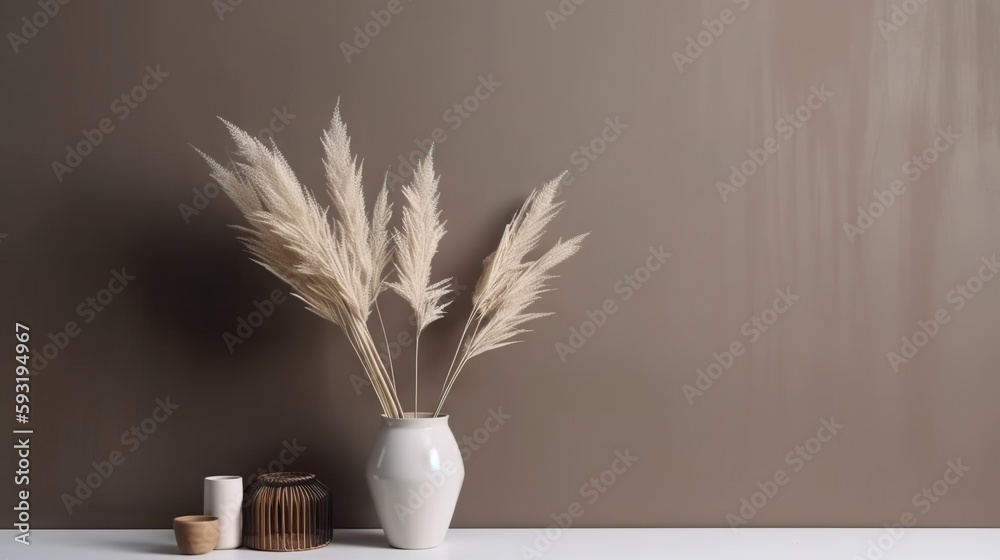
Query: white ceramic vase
[
  {"x": 224, "y": 499},
  {"x": 415, "y": 474}
]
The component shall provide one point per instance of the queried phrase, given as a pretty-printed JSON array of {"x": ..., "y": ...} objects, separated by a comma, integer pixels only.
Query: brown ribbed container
[{"x": 286, "y": 512}]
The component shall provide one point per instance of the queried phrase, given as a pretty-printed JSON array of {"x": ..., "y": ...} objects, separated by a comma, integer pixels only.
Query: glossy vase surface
[{"x": 415, "y": 474}]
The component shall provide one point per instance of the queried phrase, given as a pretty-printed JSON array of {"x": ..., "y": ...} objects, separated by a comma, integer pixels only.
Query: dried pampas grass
[
  {"x": 509, "y": 284},
  {"x": 416, "y": 245},
  {"x": 337, "y": 263}
]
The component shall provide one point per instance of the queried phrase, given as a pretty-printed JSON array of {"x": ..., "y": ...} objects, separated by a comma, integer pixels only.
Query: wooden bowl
[{"x": 196, "y": 534}]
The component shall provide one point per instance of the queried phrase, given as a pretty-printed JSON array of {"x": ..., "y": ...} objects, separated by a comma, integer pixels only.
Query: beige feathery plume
[
  {"x": 343, "y": 178},
  {"x": 367, "y": 244},
  {"x": 520, "y": 237},
  {"x": 416, "y": 245},
  {"x": 502, "y": 324},
  {"x": 509, "y": 284},
  {"x": 380, "y": 242},
  {"x": 290, "y": 235}
]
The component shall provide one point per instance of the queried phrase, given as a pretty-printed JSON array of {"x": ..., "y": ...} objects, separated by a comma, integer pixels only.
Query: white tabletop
[{"x": 575, "y": 544}]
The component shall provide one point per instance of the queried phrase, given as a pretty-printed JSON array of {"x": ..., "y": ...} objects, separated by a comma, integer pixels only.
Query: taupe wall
[{"x": 651, "y": 184}]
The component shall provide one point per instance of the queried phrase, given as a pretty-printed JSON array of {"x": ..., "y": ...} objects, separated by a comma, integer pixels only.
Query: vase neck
[{"x": 423, "y": 420}]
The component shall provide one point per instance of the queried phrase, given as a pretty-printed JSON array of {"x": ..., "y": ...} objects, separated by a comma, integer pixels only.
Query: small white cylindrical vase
[
  {"x": 224, "y": 499},
  {"x": 415, "y": 474}
]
